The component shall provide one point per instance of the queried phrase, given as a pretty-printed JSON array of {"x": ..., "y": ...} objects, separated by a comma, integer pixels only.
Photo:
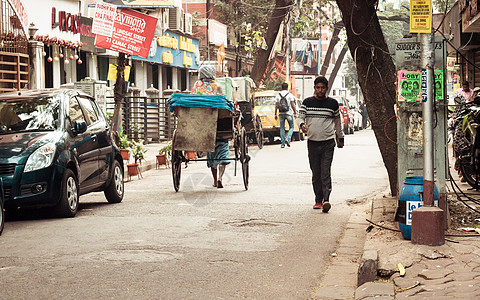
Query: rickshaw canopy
[{"x": 246, "y": 87}]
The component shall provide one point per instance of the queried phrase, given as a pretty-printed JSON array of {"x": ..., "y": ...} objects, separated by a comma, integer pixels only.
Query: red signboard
[{"x": 132, "y": 33}]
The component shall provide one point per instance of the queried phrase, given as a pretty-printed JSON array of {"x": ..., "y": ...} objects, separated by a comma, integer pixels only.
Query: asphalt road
[{"x": 199, "y": 243}]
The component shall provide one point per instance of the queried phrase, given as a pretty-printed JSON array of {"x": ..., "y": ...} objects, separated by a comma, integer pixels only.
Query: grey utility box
[{"x": 95, "y": 88}]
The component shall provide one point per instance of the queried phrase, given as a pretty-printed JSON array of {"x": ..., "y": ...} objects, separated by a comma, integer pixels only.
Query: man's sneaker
[
  {"x": 326, "y": 206},
  {"x": 287, "y": 142},
  {"x": 317, "y": 206}
]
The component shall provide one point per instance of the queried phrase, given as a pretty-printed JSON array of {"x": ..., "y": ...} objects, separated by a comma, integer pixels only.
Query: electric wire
[{"x": 396, "y": 230}]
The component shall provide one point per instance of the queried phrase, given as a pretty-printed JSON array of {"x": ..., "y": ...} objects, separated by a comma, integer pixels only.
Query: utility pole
[
  {"x": 208, "y": 38},
  {"x": 428, "y": 225},
  {"x": 287, "y": 60}
]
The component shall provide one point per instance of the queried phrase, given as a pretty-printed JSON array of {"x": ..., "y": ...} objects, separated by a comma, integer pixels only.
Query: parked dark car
[
  {"x": 347, "y": 115},
  {"x": 55, "y": 145}
]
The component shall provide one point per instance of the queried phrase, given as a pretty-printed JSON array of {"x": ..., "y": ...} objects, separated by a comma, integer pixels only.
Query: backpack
[{"x": 283, "y": 103}]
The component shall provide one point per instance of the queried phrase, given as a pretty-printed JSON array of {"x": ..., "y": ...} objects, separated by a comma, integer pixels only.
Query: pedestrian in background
[
  {"x": 465, "y": 91},
  {"x": 319, "y": 117},
  {"x": 285, "y": 105},
  {"x": 364, "y": 113}
]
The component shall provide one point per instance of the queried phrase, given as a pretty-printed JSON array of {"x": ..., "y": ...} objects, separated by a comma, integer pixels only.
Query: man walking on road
[
  {"x": 319, "y": 118},
  {"x": 285, "y": 105}
]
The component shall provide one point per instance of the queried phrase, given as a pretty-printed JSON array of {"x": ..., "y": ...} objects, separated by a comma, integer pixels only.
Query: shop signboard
[
  {"x": 132, "y": 33},
  {"x": 407, "y": 53},
  {"x": 174, "y": 50},
  {"x": 104, "y": 19},
  {"x": 137, "y": 3},
  {"x": 420, "y": 16},
  {"x": 412, "y": 86},
  {"x": 306, "y": 55}
]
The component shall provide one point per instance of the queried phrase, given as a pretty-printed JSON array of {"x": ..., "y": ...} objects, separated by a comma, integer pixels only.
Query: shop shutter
[{"x": 476, "y": 70}]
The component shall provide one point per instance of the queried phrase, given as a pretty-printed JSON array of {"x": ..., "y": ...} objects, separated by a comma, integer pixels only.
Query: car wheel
[
  {"x": 68, "y": 205},
  {"x": 114, "y": 191}
]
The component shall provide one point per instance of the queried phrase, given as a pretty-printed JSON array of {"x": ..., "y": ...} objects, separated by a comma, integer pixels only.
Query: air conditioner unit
[
  {"x": 188, "y": 23},
  {"x": 176, "y": 19},
  {"x": 165, "y": 19}
]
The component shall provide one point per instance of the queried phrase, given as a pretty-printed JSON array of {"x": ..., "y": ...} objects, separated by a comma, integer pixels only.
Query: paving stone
[
  {"x": 403, "y": 282},
  {"x": 466, "y": 258},
  {"x": 379, "y": 298},
  {"x": 409, "y": 294},
  {"x": 461, "y": 295},
  {"x": 459, "y": 267},
  {"x": 443, "y": 281},
  {"x": 463, "y": 276},
  {"x": 438, "y": 263},
  {"x": 414, "y": 270},
  {"x": 374, "y": 289},
  {"x": 334, "y": 292},
  {"x": 434, "y": 274}
]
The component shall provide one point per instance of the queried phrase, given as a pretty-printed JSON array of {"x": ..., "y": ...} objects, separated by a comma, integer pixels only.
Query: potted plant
[
  {"x": 124, "y": 143},
  {"x": 138, "y": 153},
  {"x": 164, "y": 154}
]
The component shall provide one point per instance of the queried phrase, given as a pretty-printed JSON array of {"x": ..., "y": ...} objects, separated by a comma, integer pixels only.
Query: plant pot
[
  {"x": 191, "y": 155},
  {"x": 132, "y": 169},
  {"x": 125, "y": 154},
  {"x": 161, "y": 159}
]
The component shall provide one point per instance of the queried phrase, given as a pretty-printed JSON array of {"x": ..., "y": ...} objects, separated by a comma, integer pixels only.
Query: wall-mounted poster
[
  {"x": 305, "y": 56},
  {"x": 410, "y": 83}
]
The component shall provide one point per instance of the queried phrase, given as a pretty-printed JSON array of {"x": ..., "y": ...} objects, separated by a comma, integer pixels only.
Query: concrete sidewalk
[
  {"x": 450, "y": 271},
  {"x": 150, "y": 161}
]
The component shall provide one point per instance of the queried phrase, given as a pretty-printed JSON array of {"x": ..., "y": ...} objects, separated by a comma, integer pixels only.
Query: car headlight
[{"x": 40, "y": 158}]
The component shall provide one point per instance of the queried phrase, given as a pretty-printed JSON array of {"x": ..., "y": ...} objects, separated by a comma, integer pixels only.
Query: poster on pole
[
  {"x": 103, "y": 19},
  {"x": 420, "y": 16},
  {"x": 132, "y": 33},
  {"x": 412, "y": 86}
]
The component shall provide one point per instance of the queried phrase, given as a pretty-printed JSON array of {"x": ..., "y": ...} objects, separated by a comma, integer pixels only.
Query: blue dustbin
[{"x": 410, "y": 198}]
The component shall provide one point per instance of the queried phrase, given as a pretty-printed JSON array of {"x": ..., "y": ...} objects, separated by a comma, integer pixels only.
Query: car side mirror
[{"x": 79, "y": 126}]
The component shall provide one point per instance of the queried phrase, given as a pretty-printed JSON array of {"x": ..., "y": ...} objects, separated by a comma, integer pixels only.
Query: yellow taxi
[{"x": 265, "y": 109}]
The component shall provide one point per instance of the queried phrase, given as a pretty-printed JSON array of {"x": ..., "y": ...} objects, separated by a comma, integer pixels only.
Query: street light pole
[{"x": 428, "y": 226}]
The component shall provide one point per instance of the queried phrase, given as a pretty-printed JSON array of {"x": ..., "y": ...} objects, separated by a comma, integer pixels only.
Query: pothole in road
[
  {"x": 255, "y": 222},
  {"x": 139, "y": 255}
]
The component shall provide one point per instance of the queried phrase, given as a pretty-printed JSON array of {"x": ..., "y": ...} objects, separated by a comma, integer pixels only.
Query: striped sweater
[{"x": 322, "y": 118}]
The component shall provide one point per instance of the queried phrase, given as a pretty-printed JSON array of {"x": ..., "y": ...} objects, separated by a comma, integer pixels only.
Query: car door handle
[{"x": 94, "y": 137}]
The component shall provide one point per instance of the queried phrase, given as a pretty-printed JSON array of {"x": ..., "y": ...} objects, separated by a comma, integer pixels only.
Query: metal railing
[{"x": 145, "y": 118}]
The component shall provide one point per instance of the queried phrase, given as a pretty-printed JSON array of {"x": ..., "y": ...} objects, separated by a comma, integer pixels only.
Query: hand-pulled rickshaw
[
  {"x": 201, "y": 120},
  {"x": 244, "y": 97}
]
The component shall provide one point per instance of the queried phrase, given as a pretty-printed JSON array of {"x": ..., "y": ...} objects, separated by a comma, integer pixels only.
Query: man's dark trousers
[{"x": 320, "y": 156}]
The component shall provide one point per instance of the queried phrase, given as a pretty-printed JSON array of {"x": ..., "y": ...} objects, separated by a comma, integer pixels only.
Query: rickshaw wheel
[
  {"x": 176, "y": 166},
  {"x": 176, "y": 169},
  {"x": 259, "y": 134},
  {"x": 244, "y": 158}
]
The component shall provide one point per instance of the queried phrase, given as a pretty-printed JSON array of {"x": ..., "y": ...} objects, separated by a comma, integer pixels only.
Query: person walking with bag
[
  {"x": 319, "y": 117},
  {"x": 285, "y": 105}
]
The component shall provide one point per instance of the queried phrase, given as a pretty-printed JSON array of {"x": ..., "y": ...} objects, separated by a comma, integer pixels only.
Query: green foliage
[
  {"x": 247, "y": 19},
  {"x": 109, "y": 117},
  {"x": 123, "y": 140},
  {"x": 166, "y": 150},
  {"x": 138, "y": 152}
]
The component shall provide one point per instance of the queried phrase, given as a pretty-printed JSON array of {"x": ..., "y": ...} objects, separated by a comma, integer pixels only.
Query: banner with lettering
[
  {"x": 175, "y": 50},
  {"x": 132, "y": 33}
]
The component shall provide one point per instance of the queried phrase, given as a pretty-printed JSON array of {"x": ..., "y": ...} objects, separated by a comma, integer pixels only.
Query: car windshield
[
  {"x": 29, "y": 114},
  {"x": 265, "y": 100}
]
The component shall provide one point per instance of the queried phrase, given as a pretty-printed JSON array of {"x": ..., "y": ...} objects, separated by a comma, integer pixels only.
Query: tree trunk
[
  {"x": 261, "y": 60},
  {"x": 376, "y": 76},
  {"x": 331, "y": 46},
  {"x": 337, "y": 66},
  {"x": 118, "y": 92}
]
